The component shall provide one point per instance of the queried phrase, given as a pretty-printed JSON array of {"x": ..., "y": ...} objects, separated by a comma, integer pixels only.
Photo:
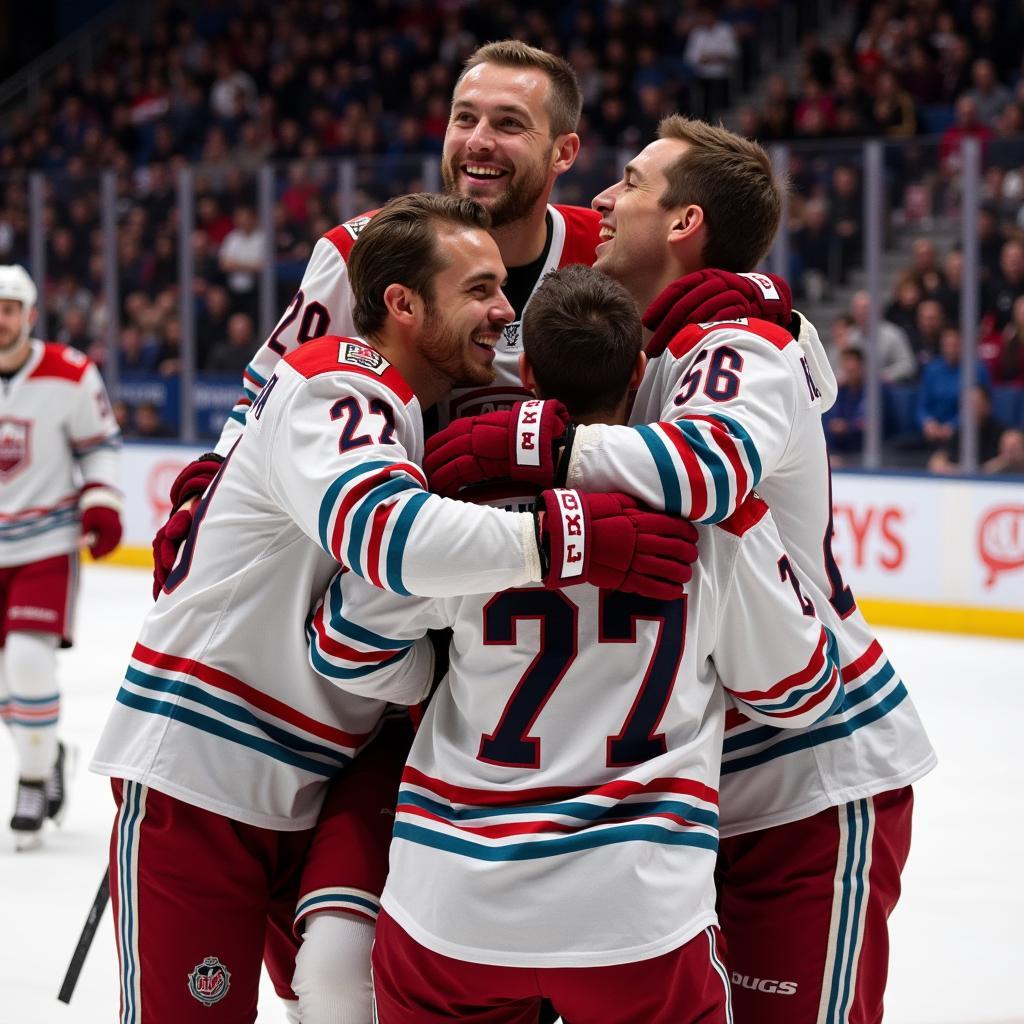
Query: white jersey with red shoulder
[
  {"x": 560, "y": 807},
  {"x": 58, "y": 437},
  {"x": 220, "y": 706},
  {"x": 728, "y": 407},
  {"x": 323, "y": 305}
]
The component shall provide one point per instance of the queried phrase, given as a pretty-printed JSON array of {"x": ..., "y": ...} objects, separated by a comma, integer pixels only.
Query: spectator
[
  {"x": 965, "y": 126},
  {"x": 233, "y": 354},
  {"x": 241, "y": 259},
  {"x": 895, "y": 356},
  {"x": 950, "y": 285},
  {"x": 1004, "y": 352},
  {"x": 1008, "y": 286},
  {"x": 844, "y": 422},
  {"x": 1010, "y": 457},
  {"x": 136, "y": 354},
  {"x": 712, "y": 53},
  {"x": 990, "y": 432},
  {"x": 74, "y": 331},
  {"x": 902, "y": 311},
  {"x": 212, "y": 322},
  {"x": 123, "y": 414},
  {"x": 893, "y": 110},
  {"x": 938, "y": 402},
  {"x": 818, "y": 246},
  {"x": 847, "y": 215},
  {"x": 148, "y": 423},
  {"x": 926, "y": 337},
  {"x": 990, "y": 96}
]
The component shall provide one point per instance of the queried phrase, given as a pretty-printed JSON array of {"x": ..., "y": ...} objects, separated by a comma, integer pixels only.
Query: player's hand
[
  {"x": 186, "y": 490},
  {"x": 610, "y": 541},
  {"x": 709, "y": 295},
  {"x": 524, "y": 443},
  {"x": 101, "y": 528}
]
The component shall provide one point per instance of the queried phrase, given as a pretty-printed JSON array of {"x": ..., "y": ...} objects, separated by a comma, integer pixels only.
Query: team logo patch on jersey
[
  {"x": 209, "y": 981},
  {"x": 510, "y": 335},
  {"x": 15, "y": 446},
  {"x": 362, "y": 356},
  {"x": 354, "y": 226}
]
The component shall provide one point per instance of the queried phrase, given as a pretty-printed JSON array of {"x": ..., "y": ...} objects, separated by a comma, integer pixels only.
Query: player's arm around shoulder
[
  {"x": 772, "y": 653},
  {"x": 343, "y": 452},
  {"x": 727, "y": 397},
  {"x": 374, "y": 643}
]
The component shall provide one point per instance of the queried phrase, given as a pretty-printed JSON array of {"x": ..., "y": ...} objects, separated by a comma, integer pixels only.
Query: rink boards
[{"x": 919, "y": 551}]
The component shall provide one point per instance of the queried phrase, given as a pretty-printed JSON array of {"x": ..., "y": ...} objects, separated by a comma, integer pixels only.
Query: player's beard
[
  {"x": 524, "y": 189},
  {"x": 10, "y": 338},
  {"x": 447, "y": 352}
]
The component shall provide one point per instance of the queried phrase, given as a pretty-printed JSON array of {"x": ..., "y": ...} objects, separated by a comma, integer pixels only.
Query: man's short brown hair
[
  {"x": 582, "y": 335},
  {"x": 565, "y": 98},
  {"x": 732, "y": 180},
  {"x": 399, "y": 246}
]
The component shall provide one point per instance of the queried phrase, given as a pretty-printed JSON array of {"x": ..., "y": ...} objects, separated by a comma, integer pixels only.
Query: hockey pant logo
[{"x": 209, "y": 981}]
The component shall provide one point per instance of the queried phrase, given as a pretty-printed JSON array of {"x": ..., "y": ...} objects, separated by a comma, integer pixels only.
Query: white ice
[{"x": 957, "y": 934}]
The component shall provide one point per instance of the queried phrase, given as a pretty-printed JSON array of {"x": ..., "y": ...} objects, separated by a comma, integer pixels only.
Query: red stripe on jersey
[
  {"x": 377, "y": 527},
  {"x": 693, "y": 334},
  {"x": 337, "y": 649},
  {"x": 327, "y": 355},
  {"x": 728, "y": 444},
  {"x": 826, "y": 693},
  {"x": 863, "y": 663},
  {"x": 746, "y": 517},
  {"x": 230, "y": 684},
  {"x": 582, "y": 234},
  {"x": 358, "y": 491},
  {"x": 343, "y": 236},
  {"x": 41, "y": 510},
  {"x": 694, "y": 473},
  {"x": 616, "y": 790},
  {"x": 62, "y": 362},
  {"x": 734, "y": 719},
  {"x": 89, "y": 442},
  {"x": 810, "y": 671}
]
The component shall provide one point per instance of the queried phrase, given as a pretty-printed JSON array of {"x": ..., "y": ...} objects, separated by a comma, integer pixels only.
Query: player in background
[
  {"x": 817, "y": 825},
  {"x": 223, "y": 738},
  {"x": 511, "y": 135},
  {"x": 58, "y": 490},
  {"x": 556, "y": 828}
]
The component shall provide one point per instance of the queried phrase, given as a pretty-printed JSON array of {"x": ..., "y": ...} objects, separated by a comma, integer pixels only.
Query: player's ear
[
  {"x": 526, "y": 373},
  {"x": 33, "y": 316},
  {"x": 638, "y": 371},
  {"x": 403, "y": 304},
  {"x": 565, "y": 151},
  {"x": 687, "y": 223}
]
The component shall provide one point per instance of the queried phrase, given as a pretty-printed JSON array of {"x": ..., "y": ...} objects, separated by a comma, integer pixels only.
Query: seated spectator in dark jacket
[
  {"x": 1003, "y": 351},
  {"x": 902, "y": 311},
  {"x": 844, "y": 422},
  {"x": 233, "y": 354},
  {"x": 148, "y": 422},
  {"x": 136, "y": 354},
  {"x": 938, "y": 401},
  {"x": 992, "y": 458},
  {"x": 212, "y": 322},
  {"x": 998, "y": 299},
  {"x": 926, "y": 336}
]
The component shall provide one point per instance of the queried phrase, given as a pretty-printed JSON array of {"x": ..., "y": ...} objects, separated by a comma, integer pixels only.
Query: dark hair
[
  {"x": 582, "y": 334},
  {"x": 565, "y": 98},
  {"x": 732, "y": 180},
  {"x": 399, "y": 246}
]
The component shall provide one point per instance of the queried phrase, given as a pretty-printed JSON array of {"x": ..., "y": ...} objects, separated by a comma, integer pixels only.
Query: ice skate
[
  {"x": 56, "y": 784},
  {"x": 29, "y": 814}
]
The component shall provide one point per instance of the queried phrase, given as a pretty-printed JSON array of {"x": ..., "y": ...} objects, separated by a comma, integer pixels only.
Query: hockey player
[
  {"x": 817, "y": 825},
  {"x": 58, "y": 490},
  {"x": 555, "y": 832},
  {"x": 223, "y": 739}
]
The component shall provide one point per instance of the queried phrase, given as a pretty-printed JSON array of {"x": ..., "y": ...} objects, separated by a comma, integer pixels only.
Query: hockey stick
[{"x": 85, "y": 939}]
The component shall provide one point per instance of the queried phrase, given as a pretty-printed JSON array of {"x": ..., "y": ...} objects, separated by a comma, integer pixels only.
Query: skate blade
[{"x": 25, "y": 842}]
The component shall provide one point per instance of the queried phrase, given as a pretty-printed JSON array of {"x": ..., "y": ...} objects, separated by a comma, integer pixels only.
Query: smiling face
[
  {"x": 467, "y": 311},
  {"x": 14, "y": 325},
  {"x": 498, "y": 147},
  {"x": 635, "y": 227}
]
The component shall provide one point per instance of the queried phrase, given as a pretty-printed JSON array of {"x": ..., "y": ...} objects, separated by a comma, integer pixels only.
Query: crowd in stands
[{"x": 228, "y": 86}]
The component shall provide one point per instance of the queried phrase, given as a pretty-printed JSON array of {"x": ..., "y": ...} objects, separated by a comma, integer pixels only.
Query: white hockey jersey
[
  {"x": 57, "y": 437},
  {"x": 728, "y": 407},
  {"x": 559, "y": 806},
  {"x": 323, "y": 305},
  {"x": 219, "y": 706}
]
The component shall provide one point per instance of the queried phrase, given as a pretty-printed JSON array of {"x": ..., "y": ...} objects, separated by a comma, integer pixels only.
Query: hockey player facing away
[
  {"x": 816, "y": 826},
  {"x": 556, "y": 828},
  {"x": 223, "y": 738},
  {"x": 58, "y": 490}
]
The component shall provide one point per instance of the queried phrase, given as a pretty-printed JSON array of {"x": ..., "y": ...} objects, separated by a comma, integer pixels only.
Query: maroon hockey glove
[
  {"x": 522, "y": 443},
  {"x": 709, "y": 295},
  {"x": 610, "y": 541},
  {"x": 101, "y": 526},
  {"x": 188, "y": 484}
]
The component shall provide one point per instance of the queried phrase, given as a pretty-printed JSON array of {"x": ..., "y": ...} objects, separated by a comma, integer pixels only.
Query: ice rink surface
[{"x": 957, "y": 934}]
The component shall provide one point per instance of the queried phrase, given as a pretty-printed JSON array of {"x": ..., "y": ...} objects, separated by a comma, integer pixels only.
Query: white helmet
[{"x": 17, "y": 285}]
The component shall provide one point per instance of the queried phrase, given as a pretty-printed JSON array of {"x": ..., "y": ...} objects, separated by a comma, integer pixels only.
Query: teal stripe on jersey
[
  {"x": 10, "y": 532},
  {"x": 570, "y": 809},
  {"x": 717, "y": 468},
  {"x": 820, "y": 734},
  {"x": 330, "y": 498},
  {"x": 332, "y": 671},
  {"x": 360, "y": 518},
  {"x": 180, "y": 688},
  {"x": 798, "y": 696},
  {"x": 250, "y": 372},
  {"x": 345, "y": 627},
  {"x": 666, "y": 470},
  {"x": 131, "y": 809},
  {"x": 237, "y": 416},
  {"x": 749, "y": 448},
  {"x": 205, "y": 723},
  {"x": 590, "y": 840},
  {"x": 338, "y": 899},
  {"x": 399, "y": 538}
]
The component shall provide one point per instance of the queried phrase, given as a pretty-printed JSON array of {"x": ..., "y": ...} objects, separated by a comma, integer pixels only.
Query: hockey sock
[
  {"x": 332, "y": 970},
  {"x": 30, "y": 666},
  {"x": 5, "y": 693}
]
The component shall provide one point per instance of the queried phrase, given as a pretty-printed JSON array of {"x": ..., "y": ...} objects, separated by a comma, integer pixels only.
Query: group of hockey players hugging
[{"x": 549, "y": 714}]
